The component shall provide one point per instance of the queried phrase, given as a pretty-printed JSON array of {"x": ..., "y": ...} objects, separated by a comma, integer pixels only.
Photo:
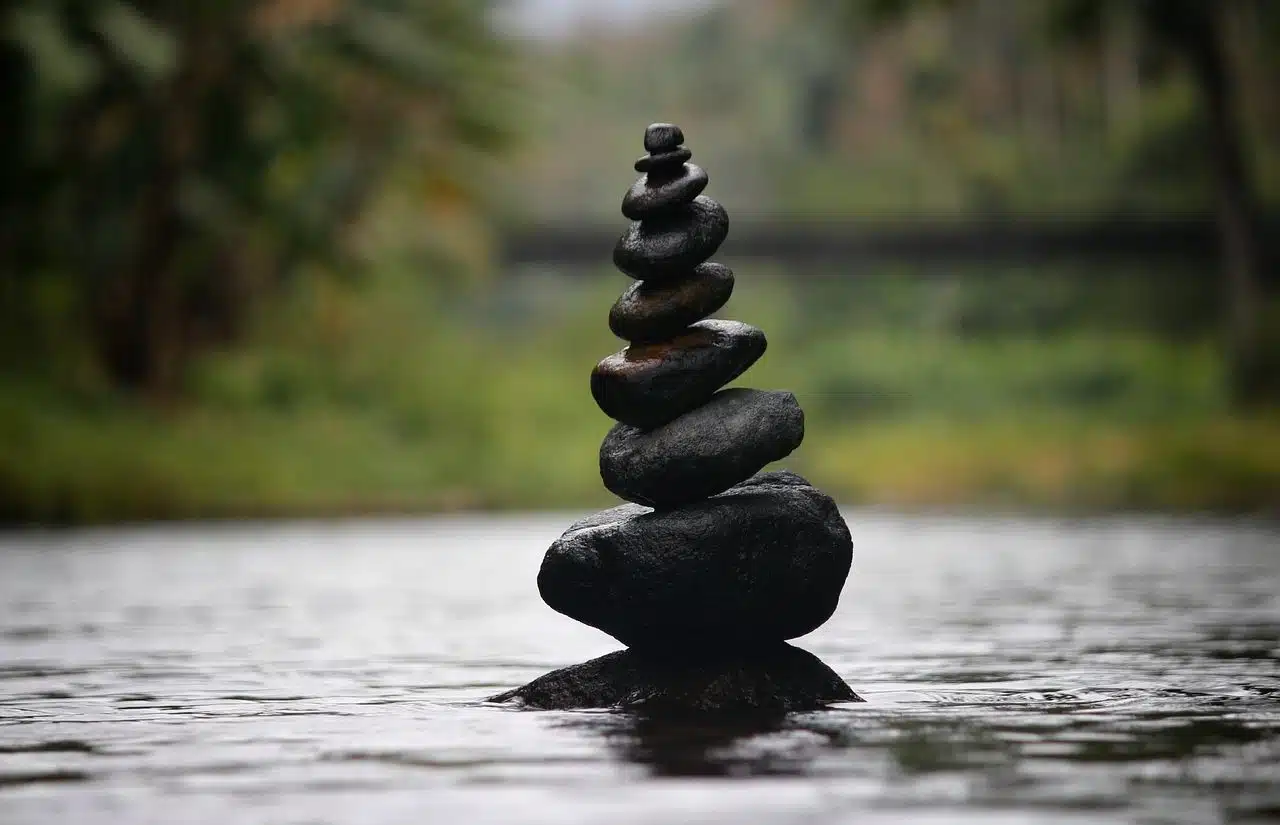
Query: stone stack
[{"x": 713, "y": 565}]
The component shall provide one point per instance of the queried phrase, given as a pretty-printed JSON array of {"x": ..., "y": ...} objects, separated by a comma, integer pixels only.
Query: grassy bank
[{"x": 389, "y": 396}]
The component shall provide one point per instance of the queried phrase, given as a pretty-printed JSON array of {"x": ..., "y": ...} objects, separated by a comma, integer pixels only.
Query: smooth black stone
[
  {"x": 662, "y": 160},
  {"x": 669, "y": 245},
  {"x": 654, "y": 312},
  {"x": 703, "y": 452},
  {"x": 648, "y": 197},
  {"x": 662, "y": 137},
  {"x": 776, "y": 678},
  {"x": 647, "y": 385},
  {"x": 762, "y": 562}
]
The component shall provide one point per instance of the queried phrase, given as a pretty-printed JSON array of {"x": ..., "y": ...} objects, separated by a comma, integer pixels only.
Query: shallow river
[{"x": 1014, "y": 671}]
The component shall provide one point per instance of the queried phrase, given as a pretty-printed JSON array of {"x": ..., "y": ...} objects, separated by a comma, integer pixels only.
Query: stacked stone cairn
[{"x": 714, "y": 564}]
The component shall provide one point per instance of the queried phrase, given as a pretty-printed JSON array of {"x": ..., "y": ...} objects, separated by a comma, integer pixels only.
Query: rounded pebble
[
  {"x": 654, "y": 312},
  {"x": 662, "y": 137},
  {"x": 647, "y": 385},
  {"x": 662, "y": 161},
  {"x": 703, "y": 452},
  {"x": 762, "y": 562},
  {"x": 648, "y": 197},
  {"x": 673, "y": 243}
]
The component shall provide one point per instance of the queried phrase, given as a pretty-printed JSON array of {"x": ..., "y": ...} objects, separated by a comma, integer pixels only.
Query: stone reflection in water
[
  {"x": 1071, "y": 750},
  {"x": 707, "y": 745},
  {"x": 714, "y": 565}
]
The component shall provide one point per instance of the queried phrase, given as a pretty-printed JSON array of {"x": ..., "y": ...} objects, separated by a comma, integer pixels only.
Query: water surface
[{"x": 1016, "y": 671}]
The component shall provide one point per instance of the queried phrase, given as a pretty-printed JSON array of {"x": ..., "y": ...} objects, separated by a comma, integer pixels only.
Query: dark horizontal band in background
[{"x": 924, "y": 240}]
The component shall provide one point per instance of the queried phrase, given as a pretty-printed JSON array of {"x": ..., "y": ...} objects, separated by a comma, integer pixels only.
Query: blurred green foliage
[
  {"x": 188, "y": 188},
  {"x": 168, "y": 164},
  {"x": 918, "y": 392},
  {"x": 1200, "y": 39},
  {"x": 973, "y": 107}
]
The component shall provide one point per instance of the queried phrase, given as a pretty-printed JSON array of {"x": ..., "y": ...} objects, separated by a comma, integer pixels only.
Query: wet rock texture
[
  {"x": 649, "y": 199},
  {"x": 704, "y": 452},
  {"x": 667, "y": 246},
  {"x": 647, "y": 385},
  {"x": 655, "y": 312},
  {"x": 713, "y": 564},
  {"x": 762, "y": 562},
  {"x": 773, "y": 678}
]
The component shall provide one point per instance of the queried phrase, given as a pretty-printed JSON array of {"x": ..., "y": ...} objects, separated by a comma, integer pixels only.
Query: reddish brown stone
[{"x": 647, "y": 385}]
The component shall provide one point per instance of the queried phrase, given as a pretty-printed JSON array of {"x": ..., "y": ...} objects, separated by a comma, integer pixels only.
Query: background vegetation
[{"x": 248, "y": 250}]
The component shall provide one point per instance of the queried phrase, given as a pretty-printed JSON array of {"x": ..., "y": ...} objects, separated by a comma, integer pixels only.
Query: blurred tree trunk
[
  {"x": 1042, "y": 129},
  {"x": 819, "y": 98},
  {"x": 135, "y": 316},
  {"x": 142, "y": 318},
  {"x": 1121, "y": 76},
  {"x": 1197, "y": 29}
]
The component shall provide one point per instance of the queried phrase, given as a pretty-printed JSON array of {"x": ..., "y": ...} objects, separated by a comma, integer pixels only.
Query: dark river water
[{"x": 1015, "y": 671}]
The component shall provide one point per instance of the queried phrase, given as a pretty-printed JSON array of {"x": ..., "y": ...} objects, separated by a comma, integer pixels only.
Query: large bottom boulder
[
  {"x": 776, "y": 678},
  {"x": 762, "y": 562}
]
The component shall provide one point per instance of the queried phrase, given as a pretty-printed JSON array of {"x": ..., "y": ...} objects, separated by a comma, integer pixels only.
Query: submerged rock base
[{"x": 774, "y": 678}]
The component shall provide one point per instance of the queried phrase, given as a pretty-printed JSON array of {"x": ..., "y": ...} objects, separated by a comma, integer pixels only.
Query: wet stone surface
[
  {"x": 662, "y": 161},
  {"x": 703, "y": 452},
  {"x": 649, "y": 197},
  {"x": 672, "y": 245},
  {"x": 647, "y": 385},
  {"x": 762, "y": 562},
  {"x": 662, "y": 137},
  {"x": 655, "y": 312},
  {"x": 773, "y": 678}
]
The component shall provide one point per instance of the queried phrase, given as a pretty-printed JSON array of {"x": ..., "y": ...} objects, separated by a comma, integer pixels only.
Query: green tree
[
  {"x": 1194, "y": 34},
  {"x": 176, "y": 159}
]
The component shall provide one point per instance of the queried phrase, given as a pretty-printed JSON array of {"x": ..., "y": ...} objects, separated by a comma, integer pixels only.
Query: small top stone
[{"x": 662, "y": 137}]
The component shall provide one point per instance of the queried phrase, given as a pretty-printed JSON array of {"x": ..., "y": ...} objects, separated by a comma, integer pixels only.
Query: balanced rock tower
[{"x": 713, "y": 565}]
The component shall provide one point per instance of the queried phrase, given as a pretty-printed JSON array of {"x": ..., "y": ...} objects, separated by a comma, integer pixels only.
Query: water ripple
[{"x": 1015, "y": 670}]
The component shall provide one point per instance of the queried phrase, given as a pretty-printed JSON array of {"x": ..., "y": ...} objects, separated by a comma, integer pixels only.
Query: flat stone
[
  {"x": 656, "y": 312},
  {"x": 647, "y": 385},
  {"x": 649, "y": 197},
  {"x": 703, "y": 452},
  {"x": 762, "y": 562},
  {"x": 674, "y": 243},
  {"x": 660, "y": 161},
  {"x": 775, "y": 678},
  {"x": 662, "y": 137}
]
